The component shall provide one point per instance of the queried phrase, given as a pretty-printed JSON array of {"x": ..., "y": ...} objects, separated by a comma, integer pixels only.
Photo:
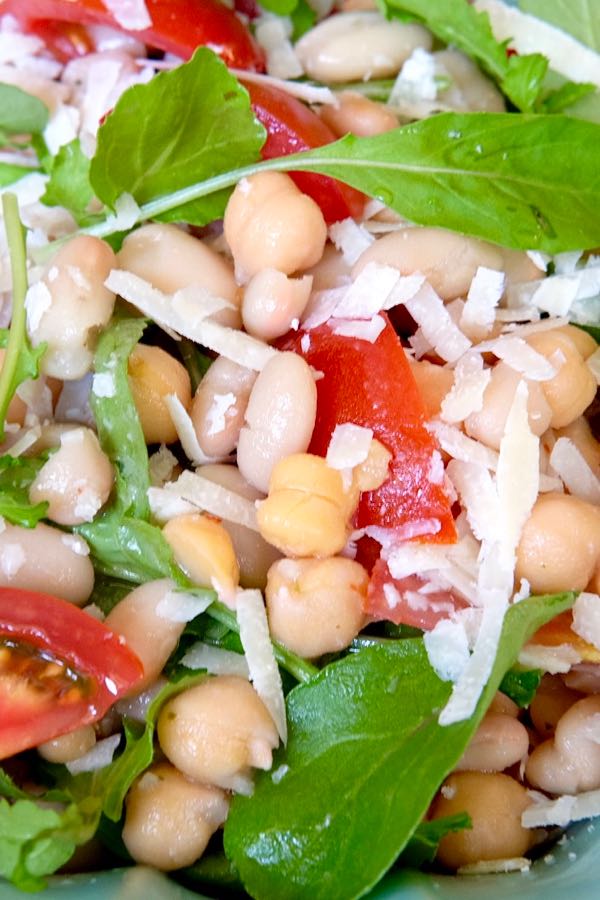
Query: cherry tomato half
[{"x": 59, "y": 669}]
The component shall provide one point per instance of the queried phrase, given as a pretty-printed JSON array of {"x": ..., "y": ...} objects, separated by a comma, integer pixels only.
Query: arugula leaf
[
  {"x": 9, "y": 173},
  {"x": 580, "y": 18},
  {"x": 365, "y": 757},
  {"x": 280, "y": 7},
  {"x": 20, "y": 113},
  {"x": 524, "y": 79},
  {"x": 16, "y": 476},
  {"x": 568, "y": 95},
  {"x": 303, "y": 18},
  {"x": 69, "y": 183},
  {"x": 185, "y": 125},
  {"x": 424, "y": 843},
  {"x": 521, "y": 685}
]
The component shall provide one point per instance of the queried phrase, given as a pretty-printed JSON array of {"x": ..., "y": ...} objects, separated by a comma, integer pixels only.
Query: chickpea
[
  {"x": 171, "y": 259},
  {"x": 203, "y": 549},
  {"x": 560, "y": 544},
  {"x": 70, "y": 304},
  {"x": 495, "y": 803},
  {"x": 307, "y": 510},
  {"x": 434, "y": 382},
  {"x": 585, "y": 343},
  {"x": 570, "y": 762},
  {"x": 584, "y": 677},
  {"x": 217, "y": 732},
  {"x": 76, "y": 481},
  {"x": 355, "y": 114},
  {"x": 280, "y": 417},
  {"x": 273, "y": 302},
  {"x": 68, "y": 747},
  {"x": 447, "y": 260},
  {"x": 219, "y": 405},
  {"x": 152, "y": 637},
  {"x": 316, "y": 606},
  {"x": 169, "y": 819},
  {"x": 269, "y": 223},
  {"x": 47, "y": 560},
  {"x": 499, "y": 742},
  {"x": 503, "y": 705},
  {"x": 469, "y": 88},
  {"x": 489, "y": 423},
  {"x": 573, "y": 388},
  {"x": 153, "y": 375},
  {"x": 252, "y": 552},
  {"x": 580, "y": 433},
  {"x": 552, "y": 699},
  {"x": 353, "y": 46}
]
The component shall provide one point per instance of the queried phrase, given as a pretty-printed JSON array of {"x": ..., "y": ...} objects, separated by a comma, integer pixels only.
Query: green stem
[{"x": 18, "y": 263}]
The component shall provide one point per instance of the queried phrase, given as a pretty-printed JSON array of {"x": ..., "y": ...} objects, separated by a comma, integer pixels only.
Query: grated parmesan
[
  {"x": 180, "y": 606},
  {"x": 429, "y": 312},
  {"x": 549, "y": 659},
  {"x": 586, "y": 618},
  {"x": 485, "y": 292},
  {"x": 185, "y": 430},
  {"x": 132, "y": 15},
  {"x": 349, "y": 446},
  {"x": 574, "y": 470},
  {"x": 213, "y": 498},
  {"x": 350, "y": 238},
  {"x": 215, "y": 660},
  {"x": 98, "y": 757},
  {"x": 466, "y": 394},
  {"x": 562, "y": 810}
]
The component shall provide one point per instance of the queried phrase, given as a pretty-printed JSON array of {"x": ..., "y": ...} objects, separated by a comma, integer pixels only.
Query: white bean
[
  {"x": 570, "y": 762},
  {"x": 499, "y": 742},
  {"x": 219, "y": 405},
  {"x": 272, "y": 302},
  {"x": 469, "y": 88}
]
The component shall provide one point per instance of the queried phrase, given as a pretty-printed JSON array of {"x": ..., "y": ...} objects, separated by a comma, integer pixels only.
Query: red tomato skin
[
  {"x": 27, "y": 717},
  {"x": 293, "y": 127},
  {"x": 178, "y": 26},
  {"x": 372, "y": 385},
  {"x": 64, "y": 40},
  {"x": 437, "y": 605}
]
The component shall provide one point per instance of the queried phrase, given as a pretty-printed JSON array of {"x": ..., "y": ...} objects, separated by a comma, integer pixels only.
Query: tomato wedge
[
  {"x": 293, "y": 127},
  {"x": 371, "y": 384},
  {"x": 59, "y": 669},
  {"x": 178, "y": 26}
]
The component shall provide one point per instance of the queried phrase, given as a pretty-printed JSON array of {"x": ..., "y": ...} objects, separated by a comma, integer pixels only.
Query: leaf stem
[{"x": 15, "y": 235}]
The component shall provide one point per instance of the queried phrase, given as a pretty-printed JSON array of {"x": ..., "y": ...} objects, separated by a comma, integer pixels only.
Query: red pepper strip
[
  {"x": 406, "y": 603},
  {"x": 293, "y": 127},
  {"x": 178, "y": 26},
  {"x": 372, "y": 385},
  {"x": 64, "y": 40}
]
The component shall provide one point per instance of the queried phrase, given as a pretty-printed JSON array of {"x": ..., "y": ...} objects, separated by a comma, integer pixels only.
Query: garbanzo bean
[
  {"x": 69, "y": 746},
  {"x": 203, "y": 549},
  {"x": 570, "y": 762},
  {"x": 434, "y": 382},
  {"x": 273, "y": 302},
  {"x": 219, "y": 405},
  {"x": 169, "y": 819},
  {"x": 580, "y": 433},
  {"x": 47, "y": 560},
  {"x": 355, "y": 114},
  {"x": 76, "y": 481},
  {"x": 552, "y": 699},
  {"x": 153, "y": 375},
  {"x": 280, "y": 417},
  {"x": 171, "y": 259},
  {"x": 495, "y": 803},
  {"x": 70, "y": 304},
  {"x": 499, "y": 742},
  {"x": 217, "y": 732},
  {"x": 151, "y": 636},
  {"x": 573, "y": 388},
  {"x": 585, "y": 343},
  {"x": 315, "y": 606},
  {"x": 358, "y": 45},
  {"x": 269, "y": 223},
  {"x": 560, "y": 544}
]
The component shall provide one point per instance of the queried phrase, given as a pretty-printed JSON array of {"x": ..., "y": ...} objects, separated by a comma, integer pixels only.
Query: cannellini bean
[
  {"x": 495, "y": 803},
  {"x": 503, "y": 705},
  {"x": 169, "y": 819},
  {"x": 47, "y": 560},
  {"x": 580, "y": 433},
  {"x": 355, "y": 114},
  {"x": 307, "y": 511},
  {"x": 469, "y": 88},
  {"x": 280, "y": 417},
  {"x": 573, "y": 388},
  {"x": 152, "y": 636},
  {"x": 273, "y": 302},
  {"x": 203, "y": 549},
  {"x": 584, "y": 677},
  {"x": 552, "y": 699},
  {"x": 489, "y": 423},
  {"x": 76, "y": 481},
  {"x": 560, "y": 544},
  {"x": 252, "y": 552},
  {"x": 217, "y": 732},
  {"x": 434, "y": 382},
  {"x": 153, "y": 375},
  {"x": 68, "y": 746},
  {"x": 70, "y": 304},
  {"x": 570, "y": 762},
  {"x": 269, "y": 223},
  {"x": 448, "y": 260},
  {"x": 331, "y": 271},
  {"x": 219, "y": 405},
  {"x": 499, "y": 742},
  {"x": 316, "y": 606},
  {"x": 172, "y": 259},
  {"x": 354, "y": 46}
]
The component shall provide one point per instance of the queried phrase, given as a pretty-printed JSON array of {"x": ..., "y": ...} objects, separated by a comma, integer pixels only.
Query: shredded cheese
[
  {"x": 428, "y": 311},
  {"x": 586, "y": 618},
  {"x": 554, "y": 660},
  {"x": 215, "y": 660},
  {"x": 180, "y": 606},
  {"x": 212, "y": 498},
  {"x": 350, "y": 238},
  {"x": 466, "y": 394},
  {"x": 349, "y": 446},
  {"x": 185, "y": 430},
  {"x": 98, "y": 757},
  {"x": 562, "y": 810},
  {"x": 574, "y": 470},
  {"x": 132, "y": 15}
]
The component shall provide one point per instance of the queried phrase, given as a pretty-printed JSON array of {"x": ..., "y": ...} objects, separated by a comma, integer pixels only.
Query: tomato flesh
[
  {"x": 407, "y": 603},
  {"x": 178, "y": 26},
  {"x": 59, "y": 669}
]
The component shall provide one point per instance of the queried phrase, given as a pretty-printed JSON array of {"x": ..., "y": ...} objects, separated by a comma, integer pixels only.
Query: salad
[{"x": 300, "y": 469}]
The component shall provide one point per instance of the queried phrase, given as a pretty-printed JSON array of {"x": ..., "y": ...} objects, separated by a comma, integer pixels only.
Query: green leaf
[
  {"x": 524, "y": 79},
  {"x": 183, "y": 126},
  {"x": 10, "y": 173},
  {"x": 424, "y": 843},
  {"x": 365, "y": 757},
  {"x": 521, "y": 685},
  {"x": 566, "y": 96},
  {"x": 580, "y": 18},
  {"x": 303, "y": 18},
  {"x": 20, "y": 113},
  {"x": 594, "y": 330},
  {"x": 117, "y": 421},
  {"x": 16, "y": 477},
  {"x": 69, "y": 183},
  {"x": 279, "y": 7}
]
